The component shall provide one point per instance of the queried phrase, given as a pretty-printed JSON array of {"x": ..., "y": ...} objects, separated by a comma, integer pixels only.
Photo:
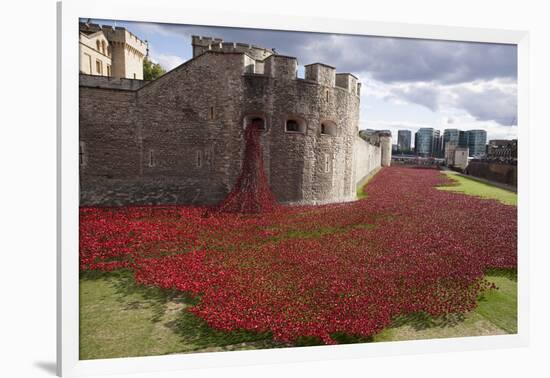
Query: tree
[{"x": 152, "y": 71}]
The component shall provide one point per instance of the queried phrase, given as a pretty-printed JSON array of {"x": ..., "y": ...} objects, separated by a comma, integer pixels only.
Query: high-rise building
[
  {"x": 404, "y": 140},
  {"x": 427, "y": 141},
  {"x": 438, "y": 144},
  {"x": 463, "y": 138},
  {"x": 477, "y": 140},
  {"x": 451, "y": 135}
]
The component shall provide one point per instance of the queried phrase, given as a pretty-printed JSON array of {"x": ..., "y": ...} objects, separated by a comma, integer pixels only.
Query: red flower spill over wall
[
  {"x": 251, "y": 193},
  {"x": 318, "y": 270}
]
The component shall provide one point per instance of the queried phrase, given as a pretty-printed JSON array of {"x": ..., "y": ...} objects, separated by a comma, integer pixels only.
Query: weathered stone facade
[
  {"x": 494, "y": 171},
  {"x": 180, "y": 138},
  {"x": 111, "y": 51}
]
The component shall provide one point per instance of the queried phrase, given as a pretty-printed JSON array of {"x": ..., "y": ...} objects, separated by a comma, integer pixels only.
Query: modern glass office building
[
  {"x": 463, "y": 139},
  {"x": 477, "y": 140},
  {"x": 427, "y": 142},
  {"x": 404, "y": 140},
  {"x": 450, "y": 135}
]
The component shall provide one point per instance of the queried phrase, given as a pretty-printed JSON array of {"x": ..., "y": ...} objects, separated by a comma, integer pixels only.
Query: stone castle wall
[
  {"x": 180, "y": 138},
  {"x": 203, "y": 44},
  {"x": 385, "y": 147},
  {"x": 503, "y": 173},
  {"x": 94, "y": 81},
  {"x": 368, "y": 158}
]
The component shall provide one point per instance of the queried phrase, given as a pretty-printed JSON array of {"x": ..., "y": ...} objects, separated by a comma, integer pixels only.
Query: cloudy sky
[{"x": 407, "y": 83}]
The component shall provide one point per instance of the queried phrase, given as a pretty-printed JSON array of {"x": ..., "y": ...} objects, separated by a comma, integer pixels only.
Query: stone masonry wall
[
  {"x": 367, "y": 159},
  {"x": 503, "y": 173},
  {"x": 109, "y": 149},
  {"x": 94, "y": 81},
  {"x": 179, "y": 139}
]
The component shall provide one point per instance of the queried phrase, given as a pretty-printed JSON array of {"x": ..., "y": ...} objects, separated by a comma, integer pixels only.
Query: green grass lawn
[
  {"x": 121, "y": 319},
  {"x": 496, "y": 314},
  {"x": 361, "y": 186},
  {"x": 472, "y": 187}
]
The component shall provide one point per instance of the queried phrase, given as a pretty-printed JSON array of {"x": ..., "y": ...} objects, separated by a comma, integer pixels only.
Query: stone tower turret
[
  {"x": 111, "y": 51},
  {"x": 385, "y": 147},
  {"x": 201, "y": 44}
]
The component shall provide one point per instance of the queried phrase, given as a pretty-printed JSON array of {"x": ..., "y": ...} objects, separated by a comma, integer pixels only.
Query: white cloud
[
  {"x": 492, "y": 100},
  {"x": 166, "y": 30},
  {"x": 168, "y": 62}
]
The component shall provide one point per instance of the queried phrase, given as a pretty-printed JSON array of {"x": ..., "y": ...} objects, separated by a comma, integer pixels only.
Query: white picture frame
[{"x": 69, "y": 12}]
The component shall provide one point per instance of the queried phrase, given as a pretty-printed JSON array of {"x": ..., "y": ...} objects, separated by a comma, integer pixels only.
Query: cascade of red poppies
[{"x": 251, "y": 192}]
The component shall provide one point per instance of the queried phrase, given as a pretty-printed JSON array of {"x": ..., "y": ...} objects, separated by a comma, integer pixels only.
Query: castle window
[
  {"x": 258, "y": 121},
  {"x": 327, "y": 94},
  {"x": 254, "y": 119},
  {"x": 327, "y": 163},
  {"x": 81, "y": 157},
  {"x": 108, "y": 70},
  {"x": 328, "y": 128},
  {"x": 199, "y": 158},
  {"x": 151, "y": 158},
  {"x": 134, "y": 75},
  {"x": 98, "y": 45},
  {"x": 98, "y": 67},
  {"x": 211, "y": 114},
  {"x": 295, "y": 126},
  {"x": 103, "y": 47},
  {"x": 250, "y": 68},
  {"x": 292, "y": 125}
]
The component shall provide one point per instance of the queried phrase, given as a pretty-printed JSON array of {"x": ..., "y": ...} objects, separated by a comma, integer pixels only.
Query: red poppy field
[{"x": 315, "y": 271}]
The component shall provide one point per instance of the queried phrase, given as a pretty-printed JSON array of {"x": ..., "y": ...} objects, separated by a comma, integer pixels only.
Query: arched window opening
[
  {"x": 255, "y": 119},
  {"x": 258, "y": 121},
  {"x": 292, "y": 125},
  {"x": 295, "y": 125},
  {"x": 328, "y": 128},
  {"x": 103, "y": 50},
  {"x": 98, "y": 45}
]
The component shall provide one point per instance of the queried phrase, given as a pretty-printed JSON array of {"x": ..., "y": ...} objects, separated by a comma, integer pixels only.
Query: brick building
[{"x": 502, "y": 149}]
